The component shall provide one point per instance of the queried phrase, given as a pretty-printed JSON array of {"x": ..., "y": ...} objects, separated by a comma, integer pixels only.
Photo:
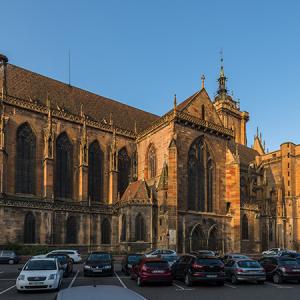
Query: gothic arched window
[
  {"x": 243, "y": 189},
  {"x": 64, "y": 167},
  {"x": 151, "y": 162},
  {"x": 29, "y": 228},
  {"x": 140, "y": 228},
  {"x": 196, "y": 176},
  {"x": 245, "y": 229},
  {"x": 203, "y": 111},
  {"x": 124, "y": 164},
  {"x": 95, "y": 177},
  {"x": 105, "y": 232},
  {"x": 25, "y": 160},
  {"x": 209, "y": 177},
  {"x": 123, "y": 229},
  {"x": 71, "y": 230}
]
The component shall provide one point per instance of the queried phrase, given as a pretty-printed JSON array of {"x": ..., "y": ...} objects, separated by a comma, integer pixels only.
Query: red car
[{"x": 152, "y": 270}]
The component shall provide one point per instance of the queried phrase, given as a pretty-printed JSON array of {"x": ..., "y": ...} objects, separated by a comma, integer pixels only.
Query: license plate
[
  {"x": 36, "y": 283},
  {"x": 129, "y": 266},
  {"x": 97, "y": 271},
  {"x": 211, "y": 276},
  {"x": 158, "y": 271}
]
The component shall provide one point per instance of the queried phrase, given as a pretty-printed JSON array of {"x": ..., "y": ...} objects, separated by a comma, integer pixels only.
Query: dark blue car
[{"x": 8, "y": 257}]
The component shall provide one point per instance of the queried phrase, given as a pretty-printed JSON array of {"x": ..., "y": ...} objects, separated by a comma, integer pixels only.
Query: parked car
[
  {"x": 204, "y": 252},
  {"x": 273, "y": 251},
  {"x": 245, "y": 270},
  {"x": 198, "y": 268},
  {"x": 234, "y": 256},
  {"x": 9, "y": 257},
  {"x": 99, "y": 292},
  {"x": 281, "y": 268},
  {"x": 40, "y": 274},
  {"x": 74, "y": 255},
  {"x": 99, "y": 263},
  {"x": 171, "y": 259},
  {"x": 152, "y": 270},
  {"x": 161, "y": 253},
  {"x": 129, "y": 260},
  {"x": 65, "y": 262}
]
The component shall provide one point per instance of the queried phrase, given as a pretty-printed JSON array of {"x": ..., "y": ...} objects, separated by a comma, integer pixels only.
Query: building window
[
  {"x": 151, "y": 162},
  {"x": 123, "y": 229},
  {"x": 271, "y": 231},
  {"x": 200, "y": 177},
  {"x": 243, "y": 189},
  {"x": 203, "y": 112},
  {"x": 95, "y": 177},
  {"x": 139, "y": 228},
  {"x": 25, "y": 160},
  {"x": 64, "y": 167},
  {"x": 71, "y": 230},
  {"x": 29, "y": 228},
  {"x": 245, "y": 229},
  {"x": 105, "y": 232},
  {"x": 124, "y": 170}
]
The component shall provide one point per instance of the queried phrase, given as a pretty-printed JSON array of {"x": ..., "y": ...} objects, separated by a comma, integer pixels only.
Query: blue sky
[{"x": 142, "y": 52}]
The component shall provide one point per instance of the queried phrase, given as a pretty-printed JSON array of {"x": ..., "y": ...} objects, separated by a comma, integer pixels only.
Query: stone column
[
  {"x": 113, "y": 171},
  {"x": 83, "y": 164}
]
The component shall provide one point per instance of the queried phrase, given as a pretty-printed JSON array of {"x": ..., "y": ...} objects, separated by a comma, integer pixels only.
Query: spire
[
  {"x": 175, "y": 105},
  {"x": 202, "y": 79},
  {"x": 222, "y": 91}
]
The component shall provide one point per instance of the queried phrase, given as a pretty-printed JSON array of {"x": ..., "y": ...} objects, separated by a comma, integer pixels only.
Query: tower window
[{"x": 203, "y": 112}]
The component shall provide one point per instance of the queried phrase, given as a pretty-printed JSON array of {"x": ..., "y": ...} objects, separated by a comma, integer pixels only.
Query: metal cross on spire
[{"x": 203, "y": 79}]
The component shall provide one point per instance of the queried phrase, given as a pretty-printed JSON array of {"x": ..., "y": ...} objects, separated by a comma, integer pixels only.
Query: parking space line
[
  {"x": 230, "y": 286},
  {"x": 121, "y": 281},
  {"x": 7, "y": 289},
  {"x": 278, "y": 286},
  {"x": 73, "y": 280},
  {"x": 181, "y": 288}
]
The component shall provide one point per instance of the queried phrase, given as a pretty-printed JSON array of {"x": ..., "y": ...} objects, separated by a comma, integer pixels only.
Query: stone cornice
[
  {"x": 27, "y": 203},
  {"x": 189, "y": 121},
  {"x": 42, "y": 109}
]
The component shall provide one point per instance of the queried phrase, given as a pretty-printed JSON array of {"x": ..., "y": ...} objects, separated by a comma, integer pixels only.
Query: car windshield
[
  {"x": 133, "y": 259},
  {"x": 209, "y": 261},
  {"x": 170, "y": 258},
  {"x": 7, "y": 253},
  {"x": 156, "y": 264},
  {"x": 249, "y": 264},
  {"x": 99, "y": 256},
  {"x": 239, "y": 256},
  {"x": 150, "y": 252},
  {"x": 289, "y": 262},
  {"x": 34, "y": 265},
  {"x": 61, "y": 258}
]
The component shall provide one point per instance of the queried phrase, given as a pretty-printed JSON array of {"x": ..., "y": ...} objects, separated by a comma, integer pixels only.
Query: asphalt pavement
[{"x": 245, "y": 291}]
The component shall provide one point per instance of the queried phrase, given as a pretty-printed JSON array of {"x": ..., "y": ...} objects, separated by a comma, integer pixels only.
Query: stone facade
[{"x": 83, "y": 170}]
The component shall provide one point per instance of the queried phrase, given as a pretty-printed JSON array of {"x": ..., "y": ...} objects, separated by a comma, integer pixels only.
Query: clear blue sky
[{"x": 142, "y": 52}]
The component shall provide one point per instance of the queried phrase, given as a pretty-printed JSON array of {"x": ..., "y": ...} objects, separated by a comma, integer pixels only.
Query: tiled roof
[
  {"x": 136, "y": 190},
  {"x": 246, "y": 154},
  {"x": 26, "y": 85}
]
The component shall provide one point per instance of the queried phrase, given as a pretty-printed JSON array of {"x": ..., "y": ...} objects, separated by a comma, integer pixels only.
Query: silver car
[{"x": 245, "y": 270}]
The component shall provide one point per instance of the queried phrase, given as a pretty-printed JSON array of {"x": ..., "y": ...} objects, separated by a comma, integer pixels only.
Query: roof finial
[
  {"x": 202, "y": 79},
  {"x": 111, "y": 121},
  {"x": 257, "y": 132},
  {"x": 135, "y": 127},
  {"x": 81, "y": 111},
  {"x": 175, "y": 104},
  {"x": 222, "y": 79}
]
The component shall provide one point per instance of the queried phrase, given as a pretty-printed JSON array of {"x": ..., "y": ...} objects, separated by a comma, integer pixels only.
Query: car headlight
[
  {"x": 21, "y": 277},
  {"x": 283, "y": 269},
  {"x": 107, "y": 267},
  {"x": 52, "y": 277},
  {"x": 87, "y": 267}
]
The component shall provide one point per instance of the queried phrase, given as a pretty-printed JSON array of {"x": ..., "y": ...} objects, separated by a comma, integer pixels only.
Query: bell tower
[{"x": 229, "y": 110}]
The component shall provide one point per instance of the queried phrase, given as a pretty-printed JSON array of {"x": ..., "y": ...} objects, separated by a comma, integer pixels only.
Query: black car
[
  {"x": 281, "y": 268},
  {"x": 8, "y": 257},
  {"x": 65, "y": 262},
  {"x": 129, "y": 261},
  {"x": 196, "y": 268},
  {"x": 99, "y": 263}
]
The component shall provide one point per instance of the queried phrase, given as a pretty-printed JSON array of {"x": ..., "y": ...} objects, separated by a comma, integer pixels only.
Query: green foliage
[{"x": 27, "y": 249}]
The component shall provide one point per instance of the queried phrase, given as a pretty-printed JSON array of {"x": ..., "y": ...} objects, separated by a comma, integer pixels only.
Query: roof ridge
[{"x": 83, "y": 90}]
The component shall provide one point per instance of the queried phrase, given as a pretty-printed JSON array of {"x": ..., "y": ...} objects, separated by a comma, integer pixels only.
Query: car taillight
[
  {"x": 197, "y": 267},
  {"x": 222, "y": 267},
  {"x": 240, "y": 270}
]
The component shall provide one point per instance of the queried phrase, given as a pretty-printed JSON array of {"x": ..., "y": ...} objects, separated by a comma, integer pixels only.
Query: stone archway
[
  {"x": 198, "y": 240},
  {"x": 213, "y": 241}
]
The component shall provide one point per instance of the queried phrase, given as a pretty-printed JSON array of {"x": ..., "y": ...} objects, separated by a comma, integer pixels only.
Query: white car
[
  {"x": 40, "y": 274},
  {"x": 161, "y": 252},
  {"x": 74, "y": 254}
]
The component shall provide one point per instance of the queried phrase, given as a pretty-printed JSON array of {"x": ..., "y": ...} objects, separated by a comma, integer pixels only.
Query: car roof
[
  {"x": 99, "y": 292},
  {"x": 58, "y": 254},
  {"x": 44, "y": 258},
  {"x": 63, "y": 250}
]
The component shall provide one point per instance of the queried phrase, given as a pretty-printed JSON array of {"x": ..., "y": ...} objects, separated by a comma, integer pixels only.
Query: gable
[{"x": 200, "y": 104}]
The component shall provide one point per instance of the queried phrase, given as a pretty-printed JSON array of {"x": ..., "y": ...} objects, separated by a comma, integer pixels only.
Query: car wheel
[
  {"x": 139, "y": 281},
  {"x": 11, "y": 262},
  {"x": 277, "y": 278},
  {"x": 187, "y": 280},
  {"x": 234, "y": 280}
]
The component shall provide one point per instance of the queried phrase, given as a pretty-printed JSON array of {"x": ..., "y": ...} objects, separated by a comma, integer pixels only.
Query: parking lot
[{"x": 9, "y": 273}]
